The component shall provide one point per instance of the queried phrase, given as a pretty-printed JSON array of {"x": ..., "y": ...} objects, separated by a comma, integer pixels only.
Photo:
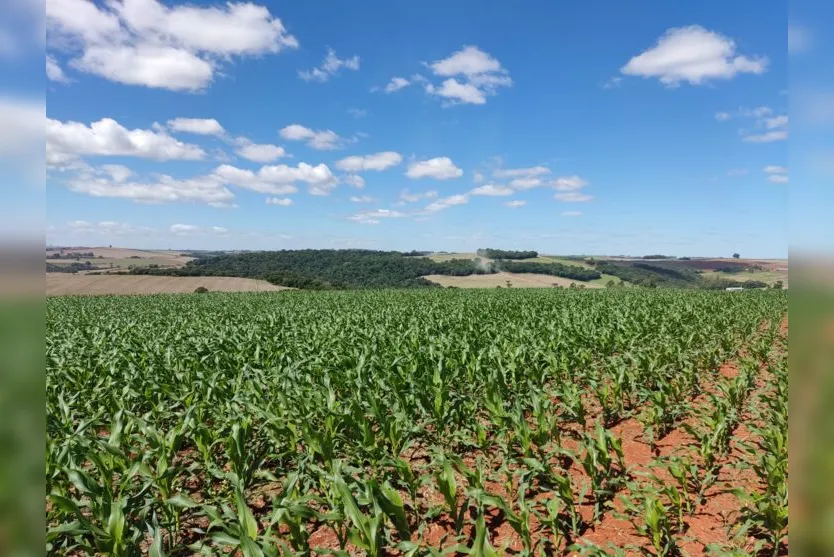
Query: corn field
[{"x": 436, "y": 422}]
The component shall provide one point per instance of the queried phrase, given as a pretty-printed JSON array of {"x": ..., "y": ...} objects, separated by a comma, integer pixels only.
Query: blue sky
[{"x": 605, "y": 127}]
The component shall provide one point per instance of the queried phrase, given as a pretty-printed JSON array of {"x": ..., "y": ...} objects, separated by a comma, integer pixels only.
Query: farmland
[
  {"x": 63, "y": 284},
  {"x": 410, "y": 422}
]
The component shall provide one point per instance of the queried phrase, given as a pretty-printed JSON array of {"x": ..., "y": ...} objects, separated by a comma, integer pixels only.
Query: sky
[{"x": 569, "y": 128}]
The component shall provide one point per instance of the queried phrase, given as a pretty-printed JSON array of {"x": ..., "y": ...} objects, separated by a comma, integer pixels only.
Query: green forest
[{"x": 352, "y": 268}]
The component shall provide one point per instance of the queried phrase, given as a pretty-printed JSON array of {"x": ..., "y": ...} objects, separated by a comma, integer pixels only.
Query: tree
[
  {"x": 200, "y": 290},
  {"x": 736, "y": 256},
  {"x": 610, "y": 284},
  {"x": 778, "y": 285}
]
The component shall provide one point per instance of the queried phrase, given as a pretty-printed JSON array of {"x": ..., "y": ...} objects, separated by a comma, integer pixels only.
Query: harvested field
[
  {"x": 518, "y": 280},
  {"x": 63, "y": 284}
]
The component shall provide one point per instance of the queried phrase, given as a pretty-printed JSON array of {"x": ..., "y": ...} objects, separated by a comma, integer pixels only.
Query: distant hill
[{"x": 335, "y": 269}]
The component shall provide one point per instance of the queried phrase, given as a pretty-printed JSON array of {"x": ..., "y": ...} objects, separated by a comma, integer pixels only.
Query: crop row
[{"x": 372, "y": 422}]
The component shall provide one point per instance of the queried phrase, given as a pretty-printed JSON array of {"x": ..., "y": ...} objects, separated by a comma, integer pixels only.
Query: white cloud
[
  {"x": 526, "y": 183},
  {"x": 571, "y": 213},
  {"x": 767, "y": 137},
  {"x": 695, "y": 55},
  {"x": 372, "y": 217},
  {"x": 104, "y": 228},
  {"x": 183, "y": 229},
  {"x": 407, "y": 197},
  {"x": 569, "y": 183},
  {"x": 481, "y": 75},
  {"x": 776, "y": 122},
  {"x": 153, "y": 66},
  {"x": 573, "y": 197},
  {"x": 463, "y": 92},
  {"x": 255, "y": 152},
  {"x": 446, "y": 202},
  {"x": 54, "y": 72},
  {"x": 357, "y": 112},
  {"x": 67, "y": 140},
  {"x": 354, "y": 180},
  {"x": 722, "y": 116},
  {"x": 118, "y": 172},
  {"x": 439, "y": 168},
  {"x": 396, "y": 84},
  {"x": 199, "y": 126},
  {"x": 279, "y": 179},
  {"x": 362, "y": 199},
  {"x": 330, "y": 67},
  {"x": 492, "y": 190},
  {"x": 164, "y": 189},
  {"x": 764, "y": 119},
  {"x": 520, "y": 172},
  {"x": 777, "y": 174},
  {"x": 283, "y": 202},
  {"x": 219, "y": 230},
  {"x": 515, "y": 203},
  {"x": 469, "y": 61},
  {"x": 477, "y": 177},
  {"x": 323, "y": 140},
  {"x": 144, "y": 42},
  {"x": 377, "y": 161}
]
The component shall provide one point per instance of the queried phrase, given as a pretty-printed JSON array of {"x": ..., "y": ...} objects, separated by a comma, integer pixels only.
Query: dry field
[
  {"x": 63, "y": 284},
  {"x": 123, "y": 257},
  {"x": 518, "y": 280}
]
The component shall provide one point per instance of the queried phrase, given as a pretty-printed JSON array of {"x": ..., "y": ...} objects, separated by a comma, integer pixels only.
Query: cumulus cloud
[
  {"x": 515, "y": 203},
  {"x": 145, "y": 42},
  {"x": 492, "y": 190},
  {"x": 199, "y": 126},
  {"x": 766, "y": 137},
  {"x": 471, "y": 76},
  {"x": 526, "y": 183},
  {"x": 571, "y": 213},
  {"x": 396, "y": 84},
  {"x": 376, "y": 161},
  {"x": 446, "y": 202},
  {"x": 520, "y": 172},
  {"x": 279, "y": 179},
  {"x": 777, "y": 174},
  {"x": 407, "y": 197},
  {"x": 330, "y": 67},
  {"x": 373, "y": 217},
  {"x": 439, "y": 168},
  {"x": 209, "y": 190},
  {"x": 323, "y": 140},
  {"x": 694, "y": 55},
  {"x": 54, "y": 72},
  {"x": 569, "y": 183},
  {"x": 183, "y": 229},
  {"x": 283, "y": 202},
  {"x": 362, "y": 199},
  {"x": 354, "y": 180},
  {"x": 573, "y": 197},
  {"x": 255, "y": 152},
  {"x": 67, "y": 140},
  {"x": 768, "y": 126}
]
